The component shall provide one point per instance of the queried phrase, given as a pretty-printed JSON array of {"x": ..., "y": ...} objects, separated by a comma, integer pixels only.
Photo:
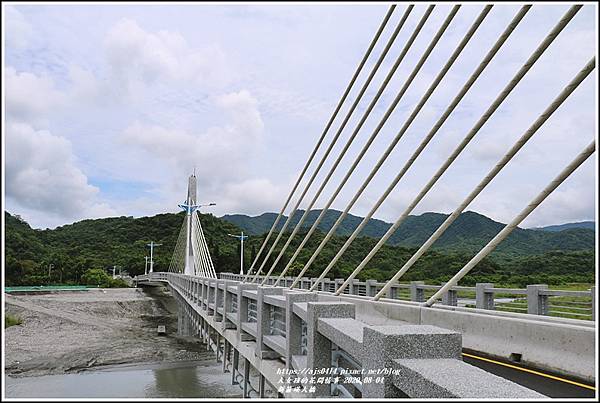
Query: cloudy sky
[{"x": 108, "y": 108}]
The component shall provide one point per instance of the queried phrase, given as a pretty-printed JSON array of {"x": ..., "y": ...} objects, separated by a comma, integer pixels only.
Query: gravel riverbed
[{"x": 69, "y": 332}]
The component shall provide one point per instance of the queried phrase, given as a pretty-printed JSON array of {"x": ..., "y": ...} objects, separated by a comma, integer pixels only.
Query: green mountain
[
  {"x": 102, "y": 243},
  {"x": 470, "y": 232},
  {"x": 555, "y": 228}
]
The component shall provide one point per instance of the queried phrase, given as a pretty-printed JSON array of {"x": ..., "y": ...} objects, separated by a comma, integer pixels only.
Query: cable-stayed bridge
[{"x": 325, "y": 328}]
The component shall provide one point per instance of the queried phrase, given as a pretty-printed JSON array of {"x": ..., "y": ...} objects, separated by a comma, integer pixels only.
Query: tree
[{"x": 96, "y": 277}]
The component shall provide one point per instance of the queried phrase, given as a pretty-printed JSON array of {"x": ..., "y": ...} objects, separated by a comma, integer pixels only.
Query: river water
[{"x": 165, "y": 380}]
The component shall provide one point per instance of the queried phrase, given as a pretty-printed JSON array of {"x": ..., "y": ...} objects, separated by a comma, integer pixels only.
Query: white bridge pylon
[{"x": 191, "y": 255}]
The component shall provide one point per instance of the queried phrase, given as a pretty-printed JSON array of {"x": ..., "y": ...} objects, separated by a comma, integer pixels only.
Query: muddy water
[{"x": 165, "y": 380}]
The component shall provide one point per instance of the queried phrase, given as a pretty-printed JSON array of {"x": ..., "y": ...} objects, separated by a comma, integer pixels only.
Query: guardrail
[
  {"x": 535, "y": 299},
  {"x": 331, "y": 352},
  {"x": 257, "y": 311}
]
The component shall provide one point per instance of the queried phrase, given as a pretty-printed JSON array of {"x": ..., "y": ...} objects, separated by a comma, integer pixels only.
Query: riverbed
[{"x": 104, "y": 343}]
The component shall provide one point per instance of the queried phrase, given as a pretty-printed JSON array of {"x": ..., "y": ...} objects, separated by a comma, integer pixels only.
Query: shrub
[
  {"x": 11, "y": 320},
  {"x": 96, "y": 277}
]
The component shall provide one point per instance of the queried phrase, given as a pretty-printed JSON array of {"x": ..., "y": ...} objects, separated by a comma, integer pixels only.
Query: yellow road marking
[{"x": 530, "y": 371}]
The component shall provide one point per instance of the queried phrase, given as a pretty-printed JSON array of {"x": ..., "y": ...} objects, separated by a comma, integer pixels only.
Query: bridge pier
[
  {"x": 226, "y": 346},
  {"x": 234, "y": 365},
  {"x": 246, "y": 377},
  {"x": 261, "y": 386}
]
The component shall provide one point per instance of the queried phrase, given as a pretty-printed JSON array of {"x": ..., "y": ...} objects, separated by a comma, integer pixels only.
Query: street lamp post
[
  {"x": 152, "y": 245},
  {"x": 241, "y": 238},
  {"x": 146, "y": 266}
]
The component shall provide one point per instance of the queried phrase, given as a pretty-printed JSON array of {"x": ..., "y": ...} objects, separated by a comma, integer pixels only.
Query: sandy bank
[{"x": 74, "y": 331}]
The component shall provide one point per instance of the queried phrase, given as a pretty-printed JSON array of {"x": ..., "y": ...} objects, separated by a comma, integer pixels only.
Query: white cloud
[
  {"x": 243, "y": 108},
  {"x": 30, "y": 97},
  {"x": 252, "y": 196},
  {"x": 17, "y": 30},
  {"x": 136, "y": 57},
  {"x": 218, "y": 153},
  {"x": 41, "y": 174}
]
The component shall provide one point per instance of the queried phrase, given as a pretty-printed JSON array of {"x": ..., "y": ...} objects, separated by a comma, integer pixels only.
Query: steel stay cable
[
  {"x": 367, "y": 145},
  {"x": 346, "y": 120},
  {"x": 179, "y": 238},
  {"x": 199, "y": 246},
  {"x": 466, "y": 87},
  {"x": 389, "y": 149},
  {"x": 210, "y": 263},
  {"x": 470, "y": 135},
  {"x": 487, "y": 249},
  {"x": 327, "y": 126},
  {"x": 556, "y": 103}
]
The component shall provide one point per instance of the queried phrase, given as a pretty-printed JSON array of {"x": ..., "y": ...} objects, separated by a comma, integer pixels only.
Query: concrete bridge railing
[
  {"x": 276, "y": 330},
  {"x": 535, "y": 299}
]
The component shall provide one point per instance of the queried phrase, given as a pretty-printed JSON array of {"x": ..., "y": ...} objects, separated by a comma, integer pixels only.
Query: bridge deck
[{"x": 347, "y": 332}]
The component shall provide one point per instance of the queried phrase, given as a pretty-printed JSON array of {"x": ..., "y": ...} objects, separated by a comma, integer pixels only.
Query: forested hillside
[
  {"x": 121, "y": 241},
  {"x": 469, "y": 233}
]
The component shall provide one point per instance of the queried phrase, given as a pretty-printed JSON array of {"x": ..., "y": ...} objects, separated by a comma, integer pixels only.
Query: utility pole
[
  {"x": 146, "y": 266},
  {"x": 50, "y": 266},
  {"x": 152, "y": 245},
  {"x": 114, "y": 270},
  {"x": 241, "y": 238}
]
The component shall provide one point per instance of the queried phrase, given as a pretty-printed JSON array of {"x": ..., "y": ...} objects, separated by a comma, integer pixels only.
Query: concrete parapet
[
  {"x": 262, "y": 317},
  {"x": 450, "y": 297},
  {"x": 417, "y": 294},
  {"x": 293, "y": 323},
  {"x": 537, "y": 303},
  {"x": 593, "y": 291},
  {"x": 242, "y": 312},
  {"x": 483, "y": 298},
  {"x": 382, "y": 344},
  {"x": 319, "y": 346},
  {"x": 219, "y": 299},
  {"x": 453, "y": 378},
  {"x": 371, "y": 288},
  {"x": 228, "y": 305}
]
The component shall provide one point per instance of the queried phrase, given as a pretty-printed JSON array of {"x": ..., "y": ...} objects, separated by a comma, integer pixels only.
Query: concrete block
[
  {"x": 227, "y": 306},
  {"x": 417, "y": 294},
  {"x": 371, "y": 288},
  {"x": 484, "y": 299},
  {"x": 293, "y": 323},
  {"x": 319, "y": 346},
  {"x": 382, "y": 344},
  {"x": 450, "y": 297},
  {"x": 453, "y": 378},
  {"x": 537, "y": 303},
  {"x": 262, "y": 318},
  {"x": 242, "y": 312}
]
